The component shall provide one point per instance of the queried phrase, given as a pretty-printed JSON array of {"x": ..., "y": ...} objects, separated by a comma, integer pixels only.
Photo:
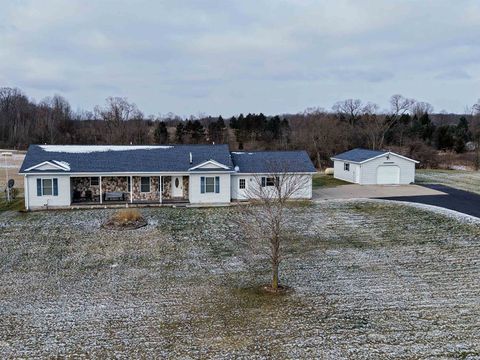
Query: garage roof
[{"x": 363, "y": 155}]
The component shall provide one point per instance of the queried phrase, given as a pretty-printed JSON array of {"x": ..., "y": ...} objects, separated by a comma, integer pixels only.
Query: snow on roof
[{"x": 83, "y": 149}]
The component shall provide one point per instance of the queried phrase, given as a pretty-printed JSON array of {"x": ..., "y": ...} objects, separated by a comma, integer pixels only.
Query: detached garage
[{"x": 371, "y": 167}]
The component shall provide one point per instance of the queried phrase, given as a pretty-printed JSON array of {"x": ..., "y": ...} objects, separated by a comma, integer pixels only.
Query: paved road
[{"x": 453, "y": 199}]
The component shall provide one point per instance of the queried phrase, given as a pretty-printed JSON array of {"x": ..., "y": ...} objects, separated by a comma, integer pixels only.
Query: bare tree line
[{"x": 408, "y": 126}]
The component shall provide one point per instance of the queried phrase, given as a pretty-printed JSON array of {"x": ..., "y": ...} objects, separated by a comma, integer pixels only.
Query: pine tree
[
  {"x": 179, "y": 133},
  {"x": 161, "y": 133}
]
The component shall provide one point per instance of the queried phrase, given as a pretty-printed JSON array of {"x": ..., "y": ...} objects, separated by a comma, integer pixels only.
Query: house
[
  {"x": 372, "y": 167},
  {"x": 64, "y": 176}
]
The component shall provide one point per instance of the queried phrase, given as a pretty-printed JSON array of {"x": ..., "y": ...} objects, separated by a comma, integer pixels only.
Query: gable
[
  {"x": 52, "y": 165},
  {"x": 210, "y": 165},
  {"x": 392, "y": 157}
]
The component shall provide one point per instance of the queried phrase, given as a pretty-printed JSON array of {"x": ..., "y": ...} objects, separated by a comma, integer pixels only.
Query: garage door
[{"x": 388, "y": 175}]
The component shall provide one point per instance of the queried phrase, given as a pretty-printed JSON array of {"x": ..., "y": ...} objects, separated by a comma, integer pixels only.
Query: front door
[{"x": 177, "y": 186}]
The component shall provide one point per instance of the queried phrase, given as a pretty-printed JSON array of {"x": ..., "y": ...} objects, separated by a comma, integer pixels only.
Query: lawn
[
  {"x": 463, "y": 180},
  {"x": 16, "y": 204},
  {"x": 322, "y": 180},
  {"x": 365, "y": 284}
]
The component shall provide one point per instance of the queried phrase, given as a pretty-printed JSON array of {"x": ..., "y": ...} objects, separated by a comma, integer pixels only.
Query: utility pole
[{"x": 7, "y": 189}]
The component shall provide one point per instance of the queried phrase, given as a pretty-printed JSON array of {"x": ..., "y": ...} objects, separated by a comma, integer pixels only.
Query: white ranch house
[
  {"x": 70, "y": 176},
  {"x": 370, "y": 167}
]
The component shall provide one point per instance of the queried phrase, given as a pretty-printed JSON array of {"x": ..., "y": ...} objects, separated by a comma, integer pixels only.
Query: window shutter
[
  {"x": 39, "y": 187},
  {"x": 217, "y": 184},
  {"x": 263, "y": 181},
  {"x": 55, "y": 187},
  {"x": 202, "y": 185}
]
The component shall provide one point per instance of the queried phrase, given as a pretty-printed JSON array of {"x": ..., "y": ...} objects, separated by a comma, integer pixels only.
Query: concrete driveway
[{"x": 354, "y": 191}]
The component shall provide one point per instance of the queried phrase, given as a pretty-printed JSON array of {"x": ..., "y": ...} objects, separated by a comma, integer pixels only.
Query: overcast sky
[{"x": 226, "y": 57}]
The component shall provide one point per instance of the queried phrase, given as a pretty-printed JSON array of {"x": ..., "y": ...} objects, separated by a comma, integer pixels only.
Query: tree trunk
[{"x": 275, "y": 276}]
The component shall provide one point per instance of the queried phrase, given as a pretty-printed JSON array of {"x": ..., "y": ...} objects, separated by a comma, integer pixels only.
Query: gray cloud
[
  {"x": 216, "y": 57},
  {"x": 454, "y": 75}
]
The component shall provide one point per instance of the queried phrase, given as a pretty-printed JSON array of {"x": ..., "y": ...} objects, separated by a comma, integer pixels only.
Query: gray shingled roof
[
  {"x": 272, "y": 161},
  {"x": 359, "y": 155},
  {"x": 90, "y": 158}
]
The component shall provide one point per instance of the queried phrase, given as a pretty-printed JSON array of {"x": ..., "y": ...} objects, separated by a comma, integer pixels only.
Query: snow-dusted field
[
  {"x": 12, "y": 166},
  {"x": 463, "y": 180},
  {"x": 371, "y": 280}
]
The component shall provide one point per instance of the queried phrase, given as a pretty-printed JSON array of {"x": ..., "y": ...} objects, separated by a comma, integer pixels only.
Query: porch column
[
  {"x": 100, "y": 183},
  {"x": 160, "y": 185},
  {"x": 131, "y": 189}
]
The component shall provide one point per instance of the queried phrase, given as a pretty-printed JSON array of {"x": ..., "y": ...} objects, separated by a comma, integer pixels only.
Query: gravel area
[{"x": 370, "y": 280}]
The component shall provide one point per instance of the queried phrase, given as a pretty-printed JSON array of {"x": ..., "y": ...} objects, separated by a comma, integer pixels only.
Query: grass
[
  {"x": 186, "y": 285},
  {"x": 17, "y": 204},
  {"x": 463, "y": 180},
  {"x": 322, "y": 180}
]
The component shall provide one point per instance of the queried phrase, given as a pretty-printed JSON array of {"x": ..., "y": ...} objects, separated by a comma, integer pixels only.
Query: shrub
[{"x": 124, "y": 216}]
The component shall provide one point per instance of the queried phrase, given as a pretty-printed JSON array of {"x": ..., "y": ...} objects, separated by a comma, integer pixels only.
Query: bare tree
[
  {"x": 116, "y": 111},
  {"x": 420, "y": 108},
  {"x": 376, "y": 126},
  {"x": 351, "y": 109},
  {"x": 263, "y": 218}
]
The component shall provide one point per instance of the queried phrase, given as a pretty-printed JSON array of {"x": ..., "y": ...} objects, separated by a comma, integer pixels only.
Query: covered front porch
[{"x": 125, "y": 189}]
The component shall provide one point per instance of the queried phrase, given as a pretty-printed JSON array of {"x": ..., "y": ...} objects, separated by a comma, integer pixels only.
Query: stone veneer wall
[
  {"x": 185, "y": 187},
  {"x": 167, "y": 187},
  {"x": 153, "y": 195},
  {"x": 120, "y": 183},
  {"x": 82, "y": 184},
  {"x": 115, "y": 183}
]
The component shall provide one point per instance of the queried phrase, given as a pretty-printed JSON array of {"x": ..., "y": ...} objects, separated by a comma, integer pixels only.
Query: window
[
  {"x": 210, "y": 184},
  {"x": 47, "y": 187},
  {"x": 145, "y": 184},
  {"x": 270, "y": 181},
  {"x": 346, "y": 167},
  {"x": 241, "y": 183},
  {"x": 94, "y": 181}
]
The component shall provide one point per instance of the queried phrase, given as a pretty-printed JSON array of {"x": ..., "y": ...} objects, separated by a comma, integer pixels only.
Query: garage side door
[{"x": 388, "y": 175}]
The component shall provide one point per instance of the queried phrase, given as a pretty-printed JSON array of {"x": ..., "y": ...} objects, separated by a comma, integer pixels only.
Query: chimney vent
[{"x": 191, "y": 158}]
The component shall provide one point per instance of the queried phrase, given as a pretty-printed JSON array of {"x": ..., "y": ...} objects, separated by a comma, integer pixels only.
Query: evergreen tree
[
  {"x": 197, "y": 132},
  {"x": 179, "y": 133},
  {"x": 161, "y": 133},
  {"x": 445, "y": 137},
  {"x": 423, "y": 128}
]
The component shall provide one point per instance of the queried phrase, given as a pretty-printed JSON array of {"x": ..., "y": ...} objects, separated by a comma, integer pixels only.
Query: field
[
  {"x": 366, "y": 285},
  {"x": 463, "y": 180},
  {"x": 13, "y": 165}
]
